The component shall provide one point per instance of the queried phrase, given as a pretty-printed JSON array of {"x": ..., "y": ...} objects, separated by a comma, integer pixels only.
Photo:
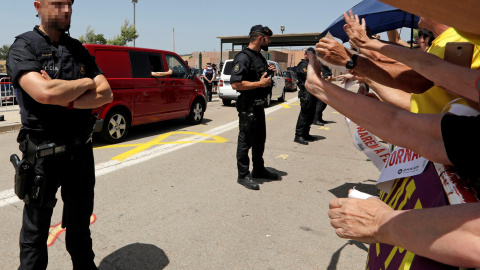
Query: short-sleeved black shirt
[
  {"x": 65, "y": 60},
  {"x": 461, "y": 138},
  {"x": 243, "y": 70}
]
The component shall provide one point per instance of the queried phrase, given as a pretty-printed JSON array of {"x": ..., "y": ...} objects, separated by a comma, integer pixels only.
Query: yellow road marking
[
  {"x": 159, "y": 141},
  {"x": 325, "y": 128},
  {"x": 283, "y": 156}
]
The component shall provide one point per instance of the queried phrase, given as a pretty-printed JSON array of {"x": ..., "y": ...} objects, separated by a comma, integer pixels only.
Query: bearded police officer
[
  {"x": 308, "y": 104},
  {"x": 251, "y": 76},
  {"x": 58, "y": 84}
]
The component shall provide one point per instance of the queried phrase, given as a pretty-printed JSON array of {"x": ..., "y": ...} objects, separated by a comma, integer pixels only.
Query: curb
[{"x": 10, "y": 127}]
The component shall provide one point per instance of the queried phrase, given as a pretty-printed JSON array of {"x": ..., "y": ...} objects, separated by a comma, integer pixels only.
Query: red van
[{"x": 138, "y": 97}]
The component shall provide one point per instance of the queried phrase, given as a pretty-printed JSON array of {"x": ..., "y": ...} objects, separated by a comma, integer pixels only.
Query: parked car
[
  {"x": 227, "y": 93},
  {"x": 290, "y": 80},
  {"x": 139, "y": 98}
]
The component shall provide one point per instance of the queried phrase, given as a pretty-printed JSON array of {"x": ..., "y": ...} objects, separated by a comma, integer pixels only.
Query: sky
[{"x": 197, "y": 23}]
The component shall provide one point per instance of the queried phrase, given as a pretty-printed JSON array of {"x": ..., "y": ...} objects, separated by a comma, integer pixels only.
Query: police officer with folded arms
[
  {"x": 251, "y": 76},
  {"x": 308, "y": 104},
  {"x": 58, "y": 84}
]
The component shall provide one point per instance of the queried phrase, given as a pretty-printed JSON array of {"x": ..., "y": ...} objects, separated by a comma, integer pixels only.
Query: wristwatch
[{"x": 352, "y": 62}]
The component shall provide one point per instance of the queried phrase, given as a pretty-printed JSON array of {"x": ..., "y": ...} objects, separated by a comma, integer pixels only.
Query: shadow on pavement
[
  {"x": 342, "y": 191},
  {"x": 334, "y": 260},
  {"x": 263, "y": 180},
  {"x": 136, "y": 256}
]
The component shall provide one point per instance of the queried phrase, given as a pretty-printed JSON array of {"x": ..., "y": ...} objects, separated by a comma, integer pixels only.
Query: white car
[{"x": 227, "y": 93}]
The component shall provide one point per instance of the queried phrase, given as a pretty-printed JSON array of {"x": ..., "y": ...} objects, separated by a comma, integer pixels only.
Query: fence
[{"x": 8, "y": 98}]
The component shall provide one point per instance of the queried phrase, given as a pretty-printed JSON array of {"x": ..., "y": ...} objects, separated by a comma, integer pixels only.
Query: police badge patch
[
  {"x": 236, "y": 68},
  {"x": 82, "y": 69}
]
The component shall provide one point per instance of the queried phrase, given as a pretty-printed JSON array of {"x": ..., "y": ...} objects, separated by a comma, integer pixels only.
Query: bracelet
[{"x": 70, "y": 105}]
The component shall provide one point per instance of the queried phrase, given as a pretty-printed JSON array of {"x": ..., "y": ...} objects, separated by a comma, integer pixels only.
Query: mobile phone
[{"x": 459, "y": 53}]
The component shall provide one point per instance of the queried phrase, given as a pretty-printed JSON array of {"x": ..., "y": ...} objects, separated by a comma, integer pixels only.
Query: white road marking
[{"x": 8, "y": 197}]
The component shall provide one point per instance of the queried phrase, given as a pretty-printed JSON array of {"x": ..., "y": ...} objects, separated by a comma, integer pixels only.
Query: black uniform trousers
[
  {"x": 254, "y": 139},
  {"x": 321, "y": 106},
  {"x": 307, "y": 112},
  {"x": 208, "y": 87},
  {"x": 75, "y": 172}
]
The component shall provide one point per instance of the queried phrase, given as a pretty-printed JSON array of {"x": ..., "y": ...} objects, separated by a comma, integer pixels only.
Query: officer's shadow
[
  {"x": 136, "y": 256},
  {"x": 280, "y": 174}
]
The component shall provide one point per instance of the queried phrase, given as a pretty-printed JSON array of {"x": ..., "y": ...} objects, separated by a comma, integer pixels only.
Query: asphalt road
[{"x": 168, "y": 198}]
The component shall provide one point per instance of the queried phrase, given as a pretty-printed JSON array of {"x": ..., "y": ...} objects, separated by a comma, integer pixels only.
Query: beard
[{"x": 264, "y": 47}]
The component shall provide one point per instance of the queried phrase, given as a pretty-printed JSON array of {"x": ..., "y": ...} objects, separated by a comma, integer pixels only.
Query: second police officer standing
[
  {"x": 308, "y": 103},
  {"x": 250, "y": 76},
  {"x": 58, "y": 84}
]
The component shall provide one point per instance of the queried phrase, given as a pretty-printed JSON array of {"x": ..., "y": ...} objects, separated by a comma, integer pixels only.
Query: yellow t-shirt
[
  {"x": 475, "y": 39},
  {"x": 435, "y": 99}
]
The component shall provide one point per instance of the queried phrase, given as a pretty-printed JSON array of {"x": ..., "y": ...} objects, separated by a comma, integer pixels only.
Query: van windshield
[{"x": 227, "y": 69}]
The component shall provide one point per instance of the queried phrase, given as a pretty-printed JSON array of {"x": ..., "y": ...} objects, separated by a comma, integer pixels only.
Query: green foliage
[
  {"x": 91, "y": 38},
  {"x": 4, "y": 52},
  {"x": 127, "y": 34}
]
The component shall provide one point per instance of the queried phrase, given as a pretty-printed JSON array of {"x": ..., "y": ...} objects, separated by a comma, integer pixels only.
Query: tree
[
  {"x": 91, "y": 38},
  {"x": 4, "y": 52},
  {"x": 127, "y": 34}
]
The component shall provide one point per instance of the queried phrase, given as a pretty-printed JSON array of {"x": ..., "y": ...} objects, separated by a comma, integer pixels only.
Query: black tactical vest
[{"x": 67, "y": 61}]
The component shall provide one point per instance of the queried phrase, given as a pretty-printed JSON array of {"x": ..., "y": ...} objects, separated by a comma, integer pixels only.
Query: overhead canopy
[
  {"x": 285, "y": 40},
  {"x": 380, "y": 17}
]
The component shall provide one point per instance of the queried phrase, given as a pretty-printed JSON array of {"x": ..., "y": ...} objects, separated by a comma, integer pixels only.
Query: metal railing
[{"x": 8, "y": 98}]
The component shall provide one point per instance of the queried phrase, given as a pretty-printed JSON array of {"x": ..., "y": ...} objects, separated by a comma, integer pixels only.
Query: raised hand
[{"x": 355, "y": 30}]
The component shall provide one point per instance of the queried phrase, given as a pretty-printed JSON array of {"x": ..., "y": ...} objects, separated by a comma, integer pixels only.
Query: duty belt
[
  {"x": 258, "y": 102},
  {"x": 52, "y": 149}
]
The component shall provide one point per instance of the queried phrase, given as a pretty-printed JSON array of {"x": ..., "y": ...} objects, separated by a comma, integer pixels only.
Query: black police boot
[
  {"x": 265, "y": 174},
  {"x": 248, "y": 182},
  {"x": 300, "y": 140},
  {"x": 309, "y": 138},
  {"x": 318, "y": 123}
]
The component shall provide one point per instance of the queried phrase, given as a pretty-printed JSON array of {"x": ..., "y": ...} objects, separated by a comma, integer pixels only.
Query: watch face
[{"x": 349, "y": 64}]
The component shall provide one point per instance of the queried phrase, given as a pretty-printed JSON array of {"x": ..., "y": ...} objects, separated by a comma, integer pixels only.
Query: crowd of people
[{"x": 439, "y": 124}]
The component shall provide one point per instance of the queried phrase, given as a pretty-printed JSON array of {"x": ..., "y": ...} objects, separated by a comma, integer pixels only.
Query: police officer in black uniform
[
  {"x": 58, "y": 84},
  {"x": 208, "y": 77},
  {"x": 308, "y": 104},
  {"x": 251, "y": 76}
]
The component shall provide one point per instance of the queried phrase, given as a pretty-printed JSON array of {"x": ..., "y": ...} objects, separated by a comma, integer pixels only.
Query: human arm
[
  {"x": 395, "y": 75},
  {"x": 246, "y": 85},
  {"x": 418, "y": 132},
  {"x": 449, "y": 234},
  {"x": 390, "y": 95},
  {"x": 95, "y": 98},
  {"x": 54, "y": 92},
  {"x": 161, "y": 73},
  {"x": 91, "y": 98},
  {"x": 394, "y": 36},
  {"x": 457, "y": 79}
]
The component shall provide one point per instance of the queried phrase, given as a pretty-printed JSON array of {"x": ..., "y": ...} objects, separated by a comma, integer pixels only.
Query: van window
[
  {"x": 178, "y": 67},
  {"x": 140, "y": 65},
  {"x": 227, "y": 69},
  {"x": 156, "y": 64}
]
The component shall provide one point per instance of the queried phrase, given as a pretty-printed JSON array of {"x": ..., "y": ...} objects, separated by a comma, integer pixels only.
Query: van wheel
[
  {"x": 268, "y": 100},
  {"x": 282, "y": 98},
  {"x": 196, "y": 113},
  {"x": 115, "y": 126},
  {"x": 226, "y": 102}
]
